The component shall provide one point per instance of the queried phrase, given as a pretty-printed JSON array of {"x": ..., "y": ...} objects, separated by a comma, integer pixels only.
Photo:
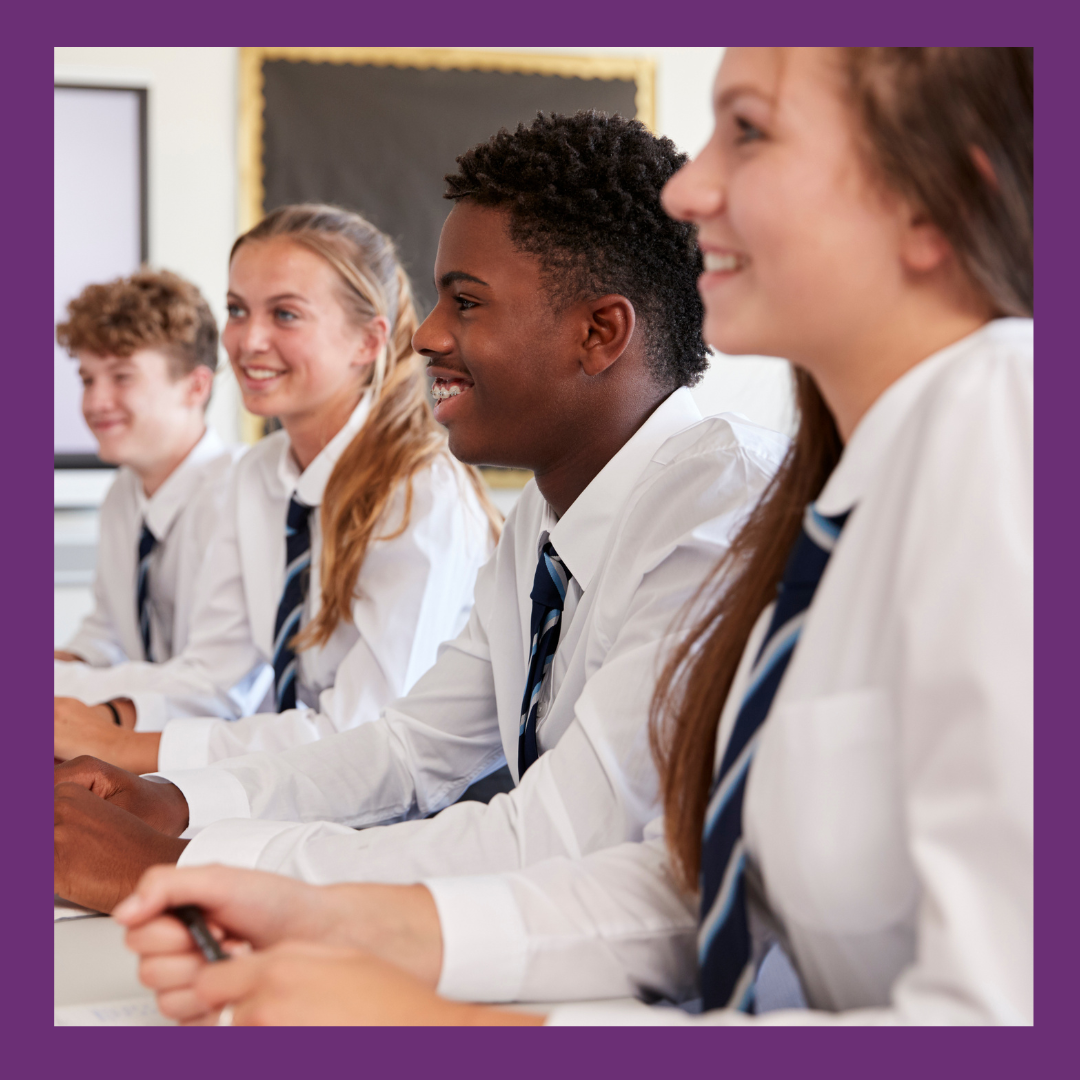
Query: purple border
[{"x": 28, "y": 450}]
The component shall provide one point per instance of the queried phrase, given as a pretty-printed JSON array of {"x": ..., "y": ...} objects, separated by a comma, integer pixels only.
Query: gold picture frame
[{"x": 639, "y": 70}]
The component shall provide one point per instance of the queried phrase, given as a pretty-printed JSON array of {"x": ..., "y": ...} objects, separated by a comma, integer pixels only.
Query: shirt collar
[
  {"x": 310, "y": 484},
  {"x": 579, "y": 535},
  {"x": 875, "y": 433},
  {"x": 160, "y": 510}
]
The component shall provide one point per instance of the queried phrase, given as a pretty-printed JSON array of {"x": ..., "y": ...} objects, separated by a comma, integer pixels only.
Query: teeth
[
  {"x": 440, "y": 390},
  {"x": 261, "y": 373},
  {"x": 717, "y": 262}
]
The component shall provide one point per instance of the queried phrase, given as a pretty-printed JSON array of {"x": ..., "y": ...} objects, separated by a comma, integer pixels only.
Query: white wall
[{"x": 192, "y": 167}]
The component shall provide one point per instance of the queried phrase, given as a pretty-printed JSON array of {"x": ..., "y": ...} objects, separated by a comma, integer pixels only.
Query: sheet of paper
[
  {"x": 65, "y": 909},
  {"x": 129, "y": 1012}
]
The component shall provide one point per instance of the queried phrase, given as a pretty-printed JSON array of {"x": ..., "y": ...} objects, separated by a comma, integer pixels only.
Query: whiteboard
[{"x": 99, "y": 217}]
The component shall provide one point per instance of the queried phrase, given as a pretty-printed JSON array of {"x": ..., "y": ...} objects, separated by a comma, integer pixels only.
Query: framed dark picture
[
  {"x": 376, "y": 130},
  {"x": 100, "y": 225}
]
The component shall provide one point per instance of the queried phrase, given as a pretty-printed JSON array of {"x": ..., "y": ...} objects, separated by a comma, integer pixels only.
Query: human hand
[
  {"x": 306, "y": 983},
  {"x": 161, "y": 806},
  {"x": 397, "y": 922},
  {"x": 91, "y": 729},
  {"x": 100, "y": 850}
]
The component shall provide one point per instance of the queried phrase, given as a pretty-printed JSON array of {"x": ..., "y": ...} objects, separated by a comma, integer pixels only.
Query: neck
[
  {"x": 562, "y": 480},
  {"x": 852, "y": 377},
  {"x": 153, "y": 476},
  {"x": 310, "y": 432}
]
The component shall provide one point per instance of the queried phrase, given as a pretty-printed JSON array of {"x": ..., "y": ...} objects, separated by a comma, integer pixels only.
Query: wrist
[{"x": 138, "y": 753}]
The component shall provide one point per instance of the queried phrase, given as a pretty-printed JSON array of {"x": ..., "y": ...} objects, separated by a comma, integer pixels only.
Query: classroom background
[{"x": 179, "y": 149}]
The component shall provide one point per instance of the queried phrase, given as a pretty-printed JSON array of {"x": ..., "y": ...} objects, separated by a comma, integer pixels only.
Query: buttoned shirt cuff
[
  {"x": 233, "y": 843},
  {"x": 185, "y": 743},
  {"x": 150, "y": 711},
  {"x": 211, "y": 794},
  {"x": 484, "y": 938}
]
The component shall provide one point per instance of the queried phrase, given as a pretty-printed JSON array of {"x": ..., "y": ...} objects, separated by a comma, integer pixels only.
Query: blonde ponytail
[{"x": 400, "y": 436}]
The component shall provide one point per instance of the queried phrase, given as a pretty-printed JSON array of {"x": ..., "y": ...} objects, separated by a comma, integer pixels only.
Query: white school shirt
[
  {"x": 638, "y": 541},
  {"x": 182, "y": 515},
  {"x": 888, "y": 815},
  {"x": 413, "y": 591}
]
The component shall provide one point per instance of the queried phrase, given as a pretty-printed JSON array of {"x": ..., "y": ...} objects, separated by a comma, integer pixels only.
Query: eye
[
  {"x": 234, "y": 311},
  {"x": 284, "y": 315},
  {"x": 464, "y": 304},
  {"x": 748, "y": 132}
]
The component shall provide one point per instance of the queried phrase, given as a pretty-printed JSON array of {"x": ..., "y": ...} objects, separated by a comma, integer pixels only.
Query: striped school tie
[
  {"x": 724, "y": 948},
  {"x": 548, "y": 596},
  {"x": 147, "y": 541},
  {"x": 291, "y": 606}
]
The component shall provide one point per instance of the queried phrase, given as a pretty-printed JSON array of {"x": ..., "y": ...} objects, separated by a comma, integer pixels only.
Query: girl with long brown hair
[
  {"x": 844, "y": 734},
  {"x": 349, "y": 547}
]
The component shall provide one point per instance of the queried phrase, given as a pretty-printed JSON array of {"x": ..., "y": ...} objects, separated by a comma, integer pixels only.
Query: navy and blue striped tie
[
  {"x": 724, "y": 947},
  {"x": 291, "y": 606},
  {"x": 548, "y": 597},
  {"x": 147, "y": 540}
]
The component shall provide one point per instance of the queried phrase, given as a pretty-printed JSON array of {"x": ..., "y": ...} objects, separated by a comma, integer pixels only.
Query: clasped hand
[{"x": 109, "y": 827}]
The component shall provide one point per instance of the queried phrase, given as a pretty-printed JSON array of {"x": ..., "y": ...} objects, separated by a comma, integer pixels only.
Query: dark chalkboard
[{"x": 379, "y": 139}]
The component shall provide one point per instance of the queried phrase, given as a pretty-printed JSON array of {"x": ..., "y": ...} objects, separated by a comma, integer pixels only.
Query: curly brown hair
[{"x": 151, "y": 309}]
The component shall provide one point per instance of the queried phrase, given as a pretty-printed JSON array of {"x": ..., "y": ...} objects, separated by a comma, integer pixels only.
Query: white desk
[{"x": 95, "y": 980}]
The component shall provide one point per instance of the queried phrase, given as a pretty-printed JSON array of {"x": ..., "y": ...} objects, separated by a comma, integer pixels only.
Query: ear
[
  {"x": 923, "y": 247},
  {"x": 376, "y": 333},
  {"x": 200, "y": 382},
  {"x": 610, "y": 326}
]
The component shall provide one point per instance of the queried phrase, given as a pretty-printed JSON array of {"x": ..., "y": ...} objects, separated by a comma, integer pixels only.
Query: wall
[{"x": 192, "y": 167}]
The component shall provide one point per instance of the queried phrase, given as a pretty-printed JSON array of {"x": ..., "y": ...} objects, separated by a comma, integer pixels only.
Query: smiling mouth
[
  {"x": 258, "y": 374},
  {"x": 443, "y": 389},
  {"x": 725, "y": 262}
]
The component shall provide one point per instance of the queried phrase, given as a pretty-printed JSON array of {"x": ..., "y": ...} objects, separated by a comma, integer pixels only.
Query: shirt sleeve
[
  {"x": 220, "y": 672},
  {"x": 414, "y": 591},
  {"x": 611, "y": 925},
  {"x": 595, "y": 788},
  {"x": 420, "y": 755}
]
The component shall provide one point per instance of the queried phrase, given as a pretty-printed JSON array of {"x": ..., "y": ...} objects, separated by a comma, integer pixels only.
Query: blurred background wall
[{"x": 193, "y": 214}]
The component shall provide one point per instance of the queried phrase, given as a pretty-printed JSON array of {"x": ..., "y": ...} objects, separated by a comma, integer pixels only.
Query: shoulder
[
  {"x": 723, "y": 438},
  {"x": 122, "y": 497},
  {"x": 258, "y": 460}
]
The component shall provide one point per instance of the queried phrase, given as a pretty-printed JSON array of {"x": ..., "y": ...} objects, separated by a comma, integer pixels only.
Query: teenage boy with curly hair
[
  {"x": 566, "y": 335},
  {"x": 147, "y": 352}
]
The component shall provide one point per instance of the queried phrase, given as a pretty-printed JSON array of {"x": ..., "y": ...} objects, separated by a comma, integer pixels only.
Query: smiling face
[
  {"x": 296, "y": 353},
  {"x": 138, "y": 411},
  {"x": 507, "y": 367},
  {"x": 801, "y": 245}
]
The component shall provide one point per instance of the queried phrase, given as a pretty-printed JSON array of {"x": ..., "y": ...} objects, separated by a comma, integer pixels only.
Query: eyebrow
[
  {"x": 452, "y": 276},
  {"x": 272, "y": 299},
  {"x": 732, "y": 92}
]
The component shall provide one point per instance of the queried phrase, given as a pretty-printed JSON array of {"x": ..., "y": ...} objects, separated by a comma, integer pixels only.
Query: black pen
[{"x": 192, "y": 917}]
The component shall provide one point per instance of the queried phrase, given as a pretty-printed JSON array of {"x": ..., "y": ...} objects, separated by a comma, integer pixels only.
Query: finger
[
  {"x": 170, "y": 972},
  {"x": 182, "y": 1005},
  {"x": 162, "y": 936},
  {"x": 218, "y": 890},
  {"x": 221, "y": 984}
]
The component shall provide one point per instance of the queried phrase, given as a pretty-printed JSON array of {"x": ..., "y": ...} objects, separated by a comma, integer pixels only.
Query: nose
[
  {"x": 248, "y": 338},
  {"x": 432, "y": 337},
  {"x": 98, "y": 396},
  {"x": 697, "y": 190}
]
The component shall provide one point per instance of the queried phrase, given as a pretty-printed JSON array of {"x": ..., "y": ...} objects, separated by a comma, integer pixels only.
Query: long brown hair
[
  {"x": 400, "y": 436},
  {"x": 951, "y": 130}
]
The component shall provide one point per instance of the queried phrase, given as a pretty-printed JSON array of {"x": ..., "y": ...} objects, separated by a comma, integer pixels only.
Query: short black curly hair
[{"x": 583, "y": 193}]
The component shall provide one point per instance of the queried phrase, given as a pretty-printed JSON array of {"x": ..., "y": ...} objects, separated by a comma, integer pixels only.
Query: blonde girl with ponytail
[{"x": 351, "y": 540}]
